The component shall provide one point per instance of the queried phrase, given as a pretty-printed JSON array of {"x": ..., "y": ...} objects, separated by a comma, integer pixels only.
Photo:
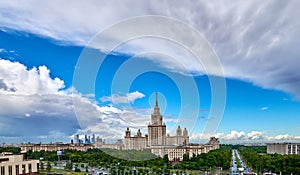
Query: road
[
  {"x": 234, "y": 168},
  {"x": 234, "y": 165},
  {"x": 246, "y": 170}
]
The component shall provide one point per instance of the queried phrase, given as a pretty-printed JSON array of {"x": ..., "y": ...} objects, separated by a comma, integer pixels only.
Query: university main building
[
  {"x": 157, "y": 140},
  {"x": 161, "y": 144}
]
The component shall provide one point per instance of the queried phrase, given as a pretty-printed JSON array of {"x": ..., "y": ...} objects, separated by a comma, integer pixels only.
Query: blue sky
[{"x": 40, "y": 56}]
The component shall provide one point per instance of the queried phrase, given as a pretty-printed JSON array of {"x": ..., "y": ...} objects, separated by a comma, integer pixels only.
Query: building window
[
  {"x": 289, "y": 149},
  {"x": 2, "y": 170},
  {"x": 17, "y": 170},
  {"x": 23, "y": 169},
  {"x": 294, "y": 149},
  {"x": 29, "y": 168},
  {"x": 10, "y": 170}
]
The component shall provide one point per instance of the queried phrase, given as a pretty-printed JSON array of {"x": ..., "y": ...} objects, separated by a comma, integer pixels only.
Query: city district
[{"x": 173, "y": 150}]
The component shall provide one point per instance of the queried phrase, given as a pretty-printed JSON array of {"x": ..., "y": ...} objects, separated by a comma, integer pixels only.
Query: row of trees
[
  {"x": 256, "y": 158},
  {"x": 112, "y": 158},
  {"x": 143, "y": 160},
  {"x": 215, "y": 158},
  {"x": 15, "y": 150}
]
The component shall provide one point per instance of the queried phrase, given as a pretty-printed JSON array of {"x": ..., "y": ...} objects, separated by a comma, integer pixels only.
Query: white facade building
[
  {"x": 15, "y": 165},
  {"x": 283, "y": 148},
  {"x": 161, "y": 144}
]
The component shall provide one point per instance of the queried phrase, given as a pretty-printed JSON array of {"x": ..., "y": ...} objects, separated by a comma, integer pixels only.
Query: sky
[{"x": 224, "y": 69}]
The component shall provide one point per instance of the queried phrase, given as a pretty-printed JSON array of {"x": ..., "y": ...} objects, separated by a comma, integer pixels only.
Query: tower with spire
[
  {"x": 162, "y": 144},
  {"x": 156, "y": 129},
  {"x": 156, "y": 117}
]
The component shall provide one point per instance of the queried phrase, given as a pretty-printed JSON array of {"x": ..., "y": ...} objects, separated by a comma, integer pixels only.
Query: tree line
[
  {"x": 112, "y": 158},
  {"x": 259, "y": 161}
]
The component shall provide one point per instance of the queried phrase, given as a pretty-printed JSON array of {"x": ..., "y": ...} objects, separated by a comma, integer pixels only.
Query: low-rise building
[
  {"x": 176, "y": 153},
  {"x": 55, "y": 147},
  {"x": 100, "y": 143},
  {"x": 283, "y": 148},
  {"x": 17, "y": 165}
]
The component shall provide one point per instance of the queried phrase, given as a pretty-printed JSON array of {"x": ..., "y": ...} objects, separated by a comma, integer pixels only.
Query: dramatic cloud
[
  {"x": 128, "y": 98},
  {"x": 39, "y": 108},
  {"x": 16, "y": 79},
  {"x": 256, "y": 41}
]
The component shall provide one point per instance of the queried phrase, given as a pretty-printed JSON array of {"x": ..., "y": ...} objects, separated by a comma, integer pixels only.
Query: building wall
[
  {"x": 136, "y": 143},
  {"x": 176, "y": 153},
  {"x": 17, "y": 163},
  {"x": 177, "y": 140},
  {"x": 99, "y": 143},
  {"x": 55, "y": 147},
  {"x": 283, "y": 148},
  {"x": 214, "y": 142},
  {"x": 157, "y": 135}
]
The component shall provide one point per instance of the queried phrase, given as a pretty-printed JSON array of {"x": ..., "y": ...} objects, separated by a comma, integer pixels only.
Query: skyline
[{"x": 39, "y": 56}]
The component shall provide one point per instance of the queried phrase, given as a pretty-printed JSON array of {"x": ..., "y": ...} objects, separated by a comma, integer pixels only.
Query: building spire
[
  {"x": 156, "y": 117},
  {"x": 156, "y": 108},
  {"x": 156, "y": 104}
]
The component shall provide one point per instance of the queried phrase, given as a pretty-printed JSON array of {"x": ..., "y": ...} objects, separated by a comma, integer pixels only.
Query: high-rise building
[
  {"x": 93, "y": 139},
  {"x": 157, "y": 129},
  {"x": 76, "y": 139},
  {"x": 161, "y": 144}
]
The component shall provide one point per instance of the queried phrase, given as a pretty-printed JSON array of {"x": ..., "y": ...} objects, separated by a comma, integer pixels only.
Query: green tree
[
  {"x": 48, "y": 168},
  {"x": 86, "y": 168},
  {"x": 42, "y": 165},
  {"x": 69, "y": 166},
  {"x": 166, "y": 158},
  {"x": 185, "y": 157}
]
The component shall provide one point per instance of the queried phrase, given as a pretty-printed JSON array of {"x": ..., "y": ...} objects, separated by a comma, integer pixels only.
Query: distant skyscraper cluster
[{"x": 87, "y": 139}]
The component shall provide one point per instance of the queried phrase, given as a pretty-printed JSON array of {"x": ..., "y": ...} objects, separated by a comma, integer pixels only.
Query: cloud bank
[
  {"x": 40, "y": 108},
  {"x": 243, "y": 137},
  {"x": 256, "y": 41}
]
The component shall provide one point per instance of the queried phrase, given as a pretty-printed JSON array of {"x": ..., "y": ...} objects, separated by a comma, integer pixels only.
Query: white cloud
[
  {"x": 255, "y": 135},
  {"x": 16, "y": 79},
  {"x": 234, "y": 135},
  {"x": 3, "y": 50},
  {"x": 256, "y": 41},
  {"x": 128, "y": 98},
  {"x": 283, "y": 138},
  {"x": 264, "y": 108},
  {"x": 243, "y": 137},
  {"x": 35, "y": 105}
]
